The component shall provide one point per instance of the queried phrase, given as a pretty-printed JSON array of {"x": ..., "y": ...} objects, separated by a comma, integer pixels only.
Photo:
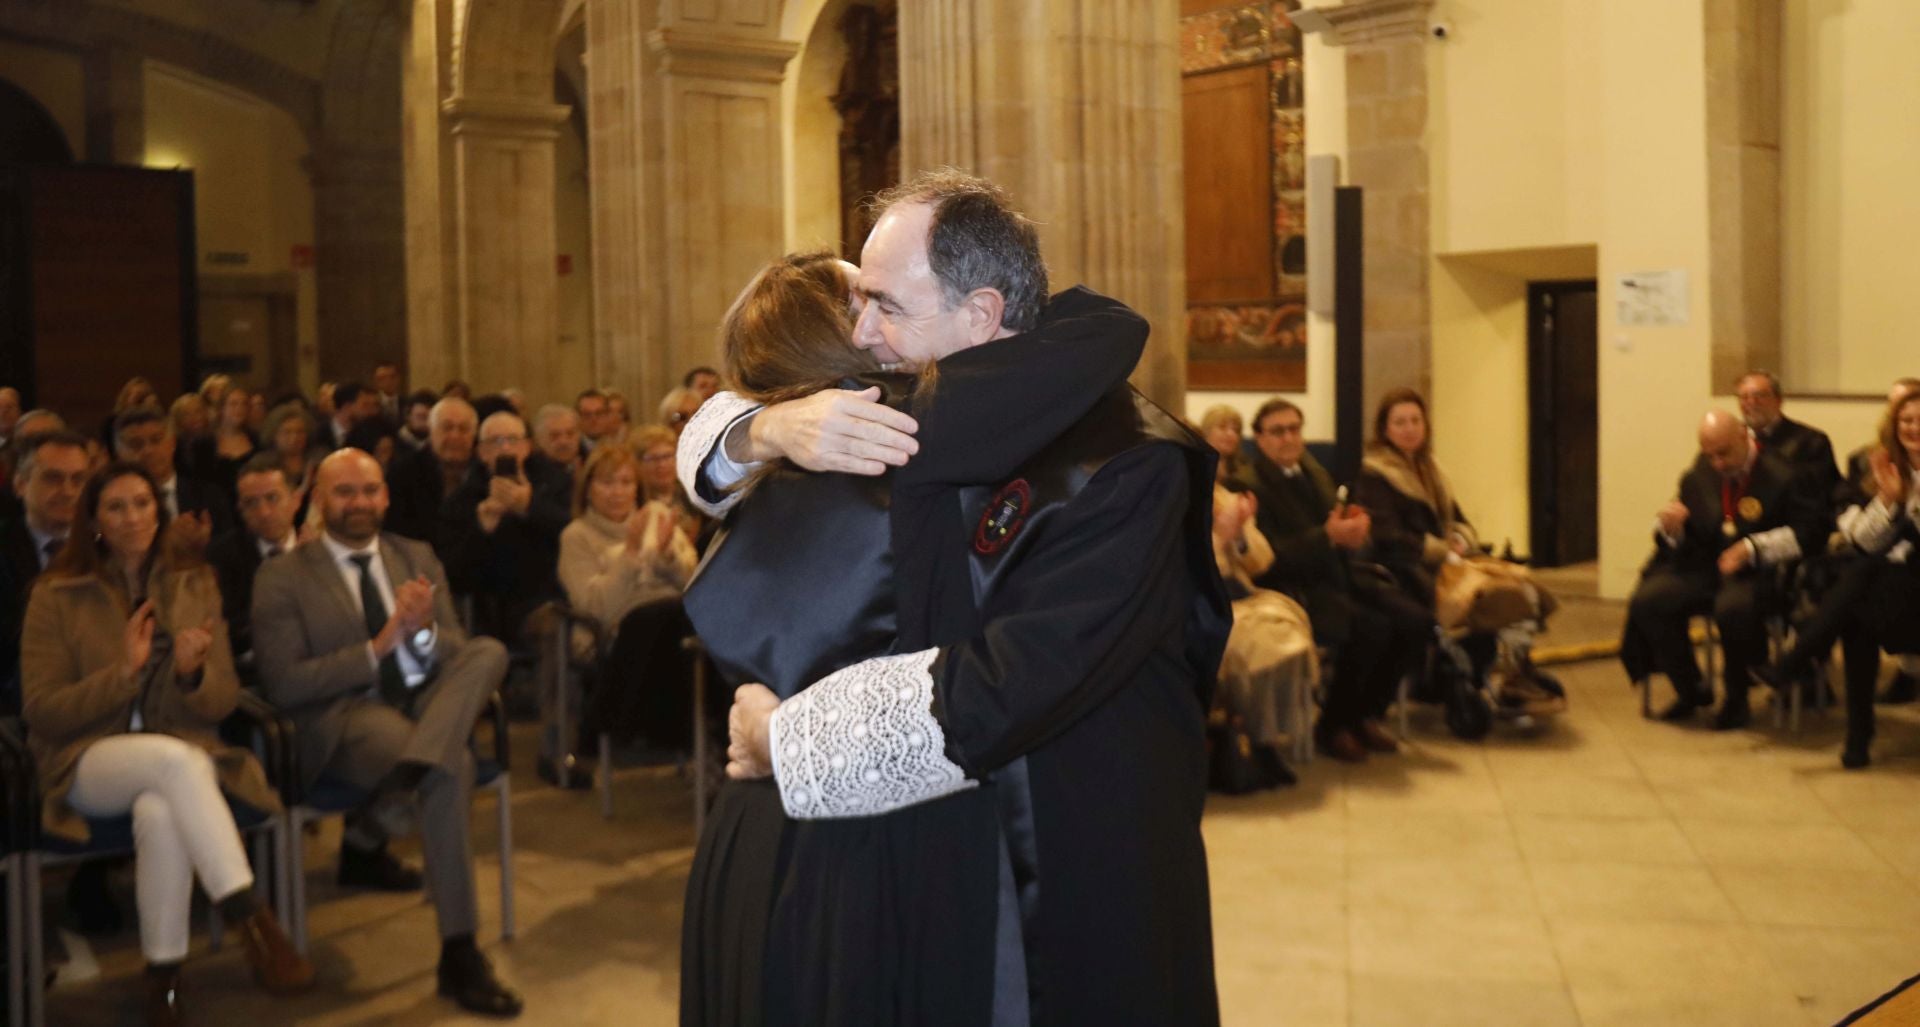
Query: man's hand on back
[{"x": 831, "y": 430}]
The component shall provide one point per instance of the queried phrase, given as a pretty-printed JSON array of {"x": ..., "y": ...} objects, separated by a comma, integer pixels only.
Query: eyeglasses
[
  {"x": 502, "y": 440},
  {"x": 1281, "y": 430}
]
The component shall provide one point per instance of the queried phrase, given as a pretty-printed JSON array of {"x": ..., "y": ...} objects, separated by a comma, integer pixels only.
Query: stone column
[
  {"x": 1385, "y": 43},
  {"x": 1743, "y": 39},
  {"x": 1074, "y": 107},
  {"x": 116, "y": 107},
  {"x": 360, "y": 265},
  {"x": 507, "y": 319},
  {"x": 684, "y": 146}
]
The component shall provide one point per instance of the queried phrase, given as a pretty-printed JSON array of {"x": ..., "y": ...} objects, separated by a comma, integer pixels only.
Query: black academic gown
[
  {"x": 1806, "y": 448},
  {"x": 19, "y": 566},
  {"x": 897, "y": 918}
]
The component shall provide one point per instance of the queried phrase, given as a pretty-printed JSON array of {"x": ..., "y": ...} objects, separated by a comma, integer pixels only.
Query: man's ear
[{"x": 983, "y": 309}]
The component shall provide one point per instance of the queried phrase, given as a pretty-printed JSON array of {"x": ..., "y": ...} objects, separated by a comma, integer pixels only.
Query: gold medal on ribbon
[
  {"x": 1750, "y": 508},
  {"x": 1728, "y": 528}
]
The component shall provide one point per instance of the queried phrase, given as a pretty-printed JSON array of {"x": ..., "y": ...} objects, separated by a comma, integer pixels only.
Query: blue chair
[
  {"x": 113, "y": 837},
  {"x": 331, "y": 798}
]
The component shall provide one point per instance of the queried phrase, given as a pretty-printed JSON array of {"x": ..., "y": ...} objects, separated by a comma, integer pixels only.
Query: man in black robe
[
  {"x": 1807, "y": 449},
  {"x": 1742, "y": 513},
  {"x": 1063, "y": 656}
]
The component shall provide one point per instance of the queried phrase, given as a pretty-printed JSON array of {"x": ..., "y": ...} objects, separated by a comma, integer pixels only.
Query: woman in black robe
[{"x": 867, "y": 920}]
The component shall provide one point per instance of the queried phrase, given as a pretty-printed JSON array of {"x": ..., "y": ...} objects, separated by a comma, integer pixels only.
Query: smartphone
[{"x": 506, "y": 467}]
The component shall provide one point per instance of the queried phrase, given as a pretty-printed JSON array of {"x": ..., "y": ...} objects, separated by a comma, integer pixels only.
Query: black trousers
[
  {"x": 1871, "y": 605},
  {"x": 1386, "y": 638},
  {"x": 1656, "y": 633}
]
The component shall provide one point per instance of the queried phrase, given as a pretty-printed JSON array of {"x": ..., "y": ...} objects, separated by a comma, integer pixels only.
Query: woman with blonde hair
[
  {"x": 1875, "y": 602},
  {"x": 624, "y": 561},
  {"x": 126, "y": 675},
  {"x": 1222, "y": 429}
]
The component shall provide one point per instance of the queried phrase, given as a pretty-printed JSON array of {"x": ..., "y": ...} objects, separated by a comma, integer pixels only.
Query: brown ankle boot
[
  {"x": 165, "y": 1007},
  {"x": 277, "y": 965}
]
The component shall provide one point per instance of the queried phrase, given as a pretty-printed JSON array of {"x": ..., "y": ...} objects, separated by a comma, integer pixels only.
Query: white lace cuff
[
  {"x": 863, "y": 741},
  {"x": 701, "y": 439},
  {"x": 1775, "y": 546}
]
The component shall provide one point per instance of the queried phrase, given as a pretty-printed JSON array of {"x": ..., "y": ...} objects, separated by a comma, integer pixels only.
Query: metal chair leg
[
  {"x": 506, "y": 855},
  {"x": 606, "y": 776},
  {"x": 562, "y": 714},
  {"x": 16, "y": 953},
  {"x": 297, "y": 879},
  {"x": 34, "y": 942}
]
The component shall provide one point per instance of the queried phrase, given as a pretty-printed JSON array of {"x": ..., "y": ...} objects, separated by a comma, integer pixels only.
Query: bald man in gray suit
[{"x": 357, "y": 641}]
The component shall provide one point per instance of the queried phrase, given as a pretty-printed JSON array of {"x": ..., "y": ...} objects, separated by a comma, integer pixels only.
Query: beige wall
[
  {"x": 1850, "y": 146},
  {"x": 290, "y": 34},
  {"x": 57, "y": 80},
  {"x": 252, "y": 193}
]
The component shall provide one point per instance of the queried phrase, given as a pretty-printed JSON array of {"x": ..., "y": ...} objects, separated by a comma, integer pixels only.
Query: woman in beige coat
[{"x": 125, "y": 677}]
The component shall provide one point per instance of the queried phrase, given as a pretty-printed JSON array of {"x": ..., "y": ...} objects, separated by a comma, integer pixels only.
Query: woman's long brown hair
[
  {"x": 790, "y": 332},
  {"x": 1394, "y": 398}
]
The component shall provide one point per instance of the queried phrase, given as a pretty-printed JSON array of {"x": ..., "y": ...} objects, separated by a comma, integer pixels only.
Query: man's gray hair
[
  {"x": 439, "y": 411},
  {"x": 31, "y": 445},
  {"x": 978, "y": 241},
  {"x": 552, "y": 412}
]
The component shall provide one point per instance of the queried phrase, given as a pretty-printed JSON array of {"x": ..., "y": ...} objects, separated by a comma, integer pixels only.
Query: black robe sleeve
[{"x": 1077, "y": 621}]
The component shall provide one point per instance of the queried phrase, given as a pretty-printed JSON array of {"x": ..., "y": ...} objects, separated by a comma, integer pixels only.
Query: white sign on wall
[{"x": 1654, "y": 298}]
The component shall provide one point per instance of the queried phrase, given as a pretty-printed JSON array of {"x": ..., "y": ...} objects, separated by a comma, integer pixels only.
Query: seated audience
[
  {"x": 458, "y": 390},
  {"x": 353, "y": 404},
  {"x": 704, "y": 381},
  {"x": 375, "y": 436},
  {"x": 1741, "y": 512},
  {"x": 620, "y": 412},
  {"x": 9, "y": 413},
  {"x": 143, "y": 437},
  {"x": 122, "y": 716},
  {"x": 218, "y": 457},
  {"x": 1270, "y": 653},
  {"x": 500, "y": 532},
  {"x": 387, "y": 388},
  {"x": 1875, "y": 603},
  {"x": 678, "y": 407},
  {"x": 1858, "y": 487},
  {"x": 256, "y": 412},
  {"x": 1376, "y": 634},
  {"x": 192, "y": 424},
  {"x": 1805, "y": 448},
  {"x": 616, "y": 555},
  {"x": 1221, "y": 427},
  {"x": 51, "y": 470},
  {"x": 287, "y": 438},
  {"x": 357, "y": 641},
  {"x": 556, "y": 434},
  {"x": 414, "y": 426},
  {"x": 267, "y": 503},
  {"x": 516, "y": 401},
  {"x": 596, "y": 417},
  {"x": 421, "y": 481}
]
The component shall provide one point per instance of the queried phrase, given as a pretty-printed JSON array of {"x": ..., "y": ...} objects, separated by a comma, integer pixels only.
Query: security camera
[{"x": 1440, "y": 30}]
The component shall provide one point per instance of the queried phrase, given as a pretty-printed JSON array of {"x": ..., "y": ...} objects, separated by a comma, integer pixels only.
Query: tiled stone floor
[{"x": 1605, "y": 871}]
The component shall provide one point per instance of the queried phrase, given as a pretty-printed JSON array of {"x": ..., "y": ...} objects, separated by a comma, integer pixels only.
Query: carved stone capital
[
  {"x": 708, "y": 55},
  {"x": 1373, "y": 21},
  {"x": 508, "y": 116}
]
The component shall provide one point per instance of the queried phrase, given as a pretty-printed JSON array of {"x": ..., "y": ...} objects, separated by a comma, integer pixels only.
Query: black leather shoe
[
  {"x": 378, "y": 869},
  {"x": 1903, "y": 688},
  {"x": 166, "y": 1006},
  {"x": 579, "y": 777},
  {"x": 1681, "y": 710},
  {"x": 1854, "y": 756},
  {"x": 1732, "y": 717},
  {"x": 467, "y": 978}
]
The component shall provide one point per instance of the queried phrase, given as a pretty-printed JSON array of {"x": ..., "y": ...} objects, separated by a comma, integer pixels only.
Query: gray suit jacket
[{"x": 310, "y": 639}]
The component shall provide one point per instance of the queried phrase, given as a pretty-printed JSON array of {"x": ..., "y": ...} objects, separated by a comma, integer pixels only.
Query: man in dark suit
[
  {"x": 1375, "y": 636},
  {"x": 1742, "y": 511},
  {"x": 143, "y": 436},
  {"x": 1804, "y": 447},
  {"x": 420, "y": 481},
  {"x": 267, "y": 505},
  {"x": 501, "y": 533},
  {"x": 52, "y": 470},
  {"x": 356, "y": 639},
  {"x": 353, "y": 405}
]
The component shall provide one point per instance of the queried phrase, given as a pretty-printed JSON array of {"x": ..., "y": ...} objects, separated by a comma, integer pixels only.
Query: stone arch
[
  {"x": 31, "y": 134},
  {"x": 504, "y": 48}
]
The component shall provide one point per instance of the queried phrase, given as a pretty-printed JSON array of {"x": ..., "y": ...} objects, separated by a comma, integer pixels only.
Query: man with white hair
[
  {"x": 499, "y": 532},
  {"x": 1739, "y": 510},
  {"x": 556, "y": 433},
  {"x": 420, "y": 480}
]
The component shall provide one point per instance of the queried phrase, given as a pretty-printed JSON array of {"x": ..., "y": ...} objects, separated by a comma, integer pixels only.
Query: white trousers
[{"x": 181, "y": 828}]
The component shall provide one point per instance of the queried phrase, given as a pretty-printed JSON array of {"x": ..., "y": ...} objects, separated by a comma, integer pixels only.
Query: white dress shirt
[{"x": 415, "y": 654}]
